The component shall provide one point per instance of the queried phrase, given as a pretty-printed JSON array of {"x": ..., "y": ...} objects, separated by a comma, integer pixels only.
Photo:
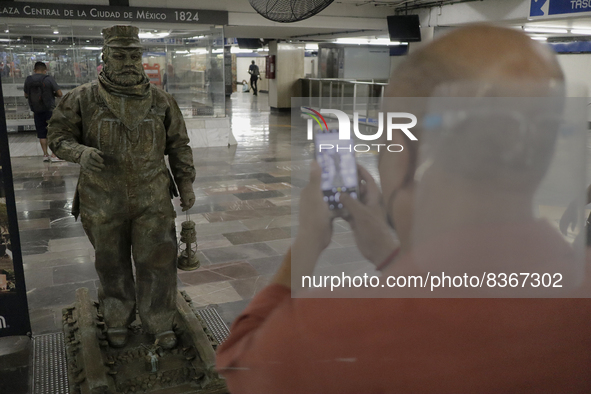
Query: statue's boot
[
  {"x": 117, "y": 337},
  {"x": 166, "y": 339}
]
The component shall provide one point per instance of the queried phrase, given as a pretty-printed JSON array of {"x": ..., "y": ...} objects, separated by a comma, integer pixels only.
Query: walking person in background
[
  {"x": 254, "y": 72},
  {"x": 41, "y": 91}
]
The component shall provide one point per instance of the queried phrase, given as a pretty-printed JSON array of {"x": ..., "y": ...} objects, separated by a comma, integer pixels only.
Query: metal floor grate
[
  {"x": 50, "y": 373},
  {"x": 215, "y": 323},
  {"x": 50, "y": 369}
]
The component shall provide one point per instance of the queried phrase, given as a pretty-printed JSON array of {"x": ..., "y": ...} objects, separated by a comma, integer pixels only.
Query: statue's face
[{"x": 123, "y": 66}]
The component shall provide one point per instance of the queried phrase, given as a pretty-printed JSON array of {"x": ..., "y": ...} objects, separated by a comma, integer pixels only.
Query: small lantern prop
[{"x": 187, "y": 260}]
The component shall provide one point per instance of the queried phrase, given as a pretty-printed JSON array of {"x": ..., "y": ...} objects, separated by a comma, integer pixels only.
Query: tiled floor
[{"x": 243, "y": 214}]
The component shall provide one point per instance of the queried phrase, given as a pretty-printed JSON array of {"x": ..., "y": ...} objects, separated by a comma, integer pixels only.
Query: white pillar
[{"x": 289, "y": 68}]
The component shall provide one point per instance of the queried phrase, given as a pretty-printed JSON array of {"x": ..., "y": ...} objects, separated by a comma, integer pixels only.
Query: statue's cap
[{"x": 121, "y": 36}]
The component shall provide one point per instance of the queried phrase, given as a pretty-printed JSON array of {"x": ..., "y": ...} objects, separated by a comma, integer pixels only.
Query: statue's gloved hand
[
  {"x": 187, "y": 197},
  {"x": 91, "y": 159}
]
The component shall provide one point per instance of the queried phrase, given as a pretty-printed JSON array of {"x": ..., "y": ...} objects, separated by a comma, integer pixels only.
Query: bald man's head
[
  {"x": 478, "y": 53},
  {"x": 472, "y": 61}
]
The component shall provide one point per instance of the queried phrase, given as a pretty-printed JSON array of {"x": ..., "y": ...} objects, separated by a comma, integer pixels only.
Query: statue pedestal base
[{"x": 94, "y": 367}]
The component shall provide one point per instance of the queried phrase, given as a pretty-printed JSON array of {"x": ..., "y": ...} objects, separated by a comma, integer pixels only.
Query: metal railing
[
  {"x": 336, "y": 88},
  {"x": 348, "y": 95}
]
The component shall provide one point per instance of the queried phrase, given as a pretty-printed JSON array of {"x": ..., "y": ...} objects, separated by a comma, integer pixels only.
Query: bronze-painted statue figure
[{"x": 119, "y": 129}]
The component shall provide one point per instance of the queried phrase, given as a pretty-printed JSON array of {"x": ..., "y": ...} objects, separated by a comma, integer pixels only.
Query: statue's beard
[{"x": 128, "y": 77}]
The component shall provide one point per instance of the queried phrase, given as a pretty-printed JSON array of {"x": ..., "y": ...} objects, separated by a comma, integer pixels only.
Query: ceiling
[
  {"x": 343, "y": 18},
  {"x": 285, "y": 32}
]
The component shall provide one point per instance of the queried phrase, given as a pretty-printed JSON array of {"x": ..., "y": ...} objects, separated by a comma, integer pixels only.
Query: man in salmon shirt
[{"x": 281, "y": 344}]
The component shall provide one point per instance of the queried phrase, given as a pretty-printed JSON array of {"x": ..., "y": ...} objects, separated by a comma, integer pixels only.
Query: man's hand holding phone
[
  {"x": 315, "y": 225},
  {"x": 368, "y": 219},
  {"x": 314, "y": 234}
]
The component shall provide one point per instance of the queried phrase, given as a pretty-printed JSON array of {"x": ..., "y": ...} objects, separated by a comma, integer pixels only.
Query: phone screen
[{"x": 339, "y": 169}]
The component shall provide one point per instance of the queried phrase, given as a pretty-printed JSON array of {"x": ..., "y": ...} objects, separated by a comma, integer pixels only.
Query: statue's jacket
[{"x": 134, "y": 135}]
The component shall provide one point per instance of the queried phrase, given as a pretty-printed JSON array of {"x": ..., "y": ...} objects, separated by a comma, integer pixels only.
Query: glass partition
[
  {"x": 187, "y": 64},
  {"x": 191, "y": 68},
  {"x": 18, "y": 53}
]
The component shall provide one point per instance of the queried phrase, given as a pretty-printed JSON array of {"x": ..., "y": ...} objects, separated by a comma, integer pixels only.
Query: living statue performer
[{"x": 119, "y": 129}]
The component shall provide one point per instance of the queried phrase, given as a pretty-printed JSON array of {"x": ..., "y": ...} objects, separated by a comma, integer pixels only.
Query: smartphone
[{"x": 339, "y": 168}]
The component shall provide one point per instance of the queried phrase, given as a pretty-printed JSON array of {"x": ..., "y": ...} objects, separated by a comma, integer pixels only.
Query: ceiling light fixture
[
  {"x": 240, "y": 50},
  {"x": 550, "y": 30},
  {"x": 154, "y": 35},
  {"x": 365, "y": 41},
  {"x": 581, "y": 31}
]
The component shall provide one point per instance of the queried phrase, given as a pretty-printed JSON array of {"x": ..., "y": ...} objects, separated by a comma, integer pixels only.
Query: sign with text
[
  {"x": 14, "y": 310},
  {"x": 109, "y": 13},
  {"x": 541, "y": 8}
]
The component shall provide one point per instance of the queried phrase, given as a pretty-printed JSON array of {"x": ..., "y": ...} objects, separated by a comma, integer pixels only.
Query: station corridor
[{"x": 243, "y": 214}]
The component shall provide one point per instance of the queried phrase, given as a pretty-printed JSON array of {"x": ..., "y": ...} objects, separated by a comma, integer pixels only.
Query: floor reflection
[{"x": 243, "y": 213}]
